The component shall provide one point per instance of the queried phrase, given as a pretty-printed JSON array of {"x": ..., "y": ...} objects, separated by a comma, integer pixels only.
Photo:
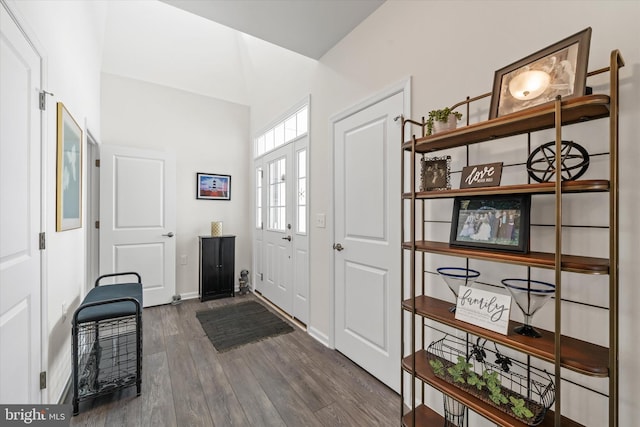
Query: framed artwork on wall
[
  {"x": 68, "y": 171},
  {"x": 491, "y": 222},
  {"x": 212, "y": 186},
  {"x": 557, "y": 70}
]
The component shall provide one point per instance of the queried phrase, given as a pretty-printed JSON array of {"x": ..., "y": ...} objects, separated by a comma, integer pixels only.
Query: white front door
[
  {"x": 138, "y": 218},
  {"x": 367, "y": 228},
  {"x": 20, "y": 217},
  {"x": 278, "y": 228}
]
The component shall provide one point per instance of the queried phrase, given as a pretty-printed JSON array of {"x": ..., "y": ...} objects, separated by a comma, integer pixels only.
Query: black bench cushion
[{"x": 111, "y": 310}]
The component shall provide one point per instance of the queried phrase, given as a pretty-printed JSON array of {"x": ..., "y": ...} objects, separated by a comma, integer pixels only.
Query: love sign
[{"x": 486, "y": 175}]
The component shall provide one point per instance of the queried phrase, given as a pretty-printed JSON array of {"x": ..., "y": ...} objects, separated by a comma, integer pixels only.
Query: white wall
[
  {"x": 452, "y": 49},
  {"x": 68, "y": 35},
  {"x": 208, "y": 135}
]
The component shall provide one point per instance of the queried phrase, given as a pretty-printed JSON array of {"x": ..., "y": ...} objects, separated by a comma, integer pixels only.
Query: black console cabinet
[{"x": 216, "y": 267}]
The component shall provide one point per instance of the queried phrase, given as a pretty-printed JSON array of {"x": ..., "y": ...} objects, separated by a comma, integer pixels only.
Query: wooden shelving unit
[
  {"x": 424, "y": 372},
  {"x": 572, "y": 263},
  {"x": 575, "y": 110},
  {"x": 577, "y": 355},
  {"x": 564, "y": 352},
  {"x": 584, "y": 186}
]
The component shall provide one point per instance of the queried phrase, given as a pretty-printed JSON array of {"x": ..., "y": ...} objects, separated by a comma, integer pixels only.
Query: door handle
[
  {"x": 287, "y": 238},
  {"x": 338, "y": 247},
  {"x": 169, "y": 234}
]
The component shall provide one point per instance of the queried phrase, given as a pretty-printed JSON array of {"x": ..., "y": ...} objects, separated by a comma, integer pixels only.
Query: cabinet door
[
  {"x": 226, "y": 263},
  {"x": 209, "y": 261}
]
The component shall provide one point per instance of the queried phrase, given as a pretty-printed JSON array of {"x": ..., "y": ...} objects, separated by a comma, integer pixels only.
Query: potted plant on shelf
[{"x": 441, "y": 120}]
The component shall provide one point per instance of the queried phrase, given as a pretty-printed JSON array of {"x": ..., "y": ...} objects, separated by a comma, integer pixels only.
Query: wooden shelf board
[
  {"x": 582, "y": 186},
  {"x": 425, "y": 373},
  {"x": 576, "y": 355},
  {"x": 572, "y": 263},
  {"x": 574, "y": 110},
  {"x": 425, "y": 417}
]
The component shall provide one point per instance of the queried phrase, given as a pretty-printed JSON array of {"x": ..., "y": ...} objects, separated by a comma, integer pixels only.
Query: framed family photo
[
  {"x": 491, "y": 222},
  {"x": 213, "y": 186},
  {"x": 435, "y": 173},
  {"x": 558, "y": 70},
  {"x": 68, "y": 171}
]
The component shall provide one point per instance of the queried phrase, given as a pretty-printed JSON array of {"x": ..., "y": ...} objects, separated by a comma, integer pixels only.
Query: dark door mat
[{"x": 231, "y": 326}]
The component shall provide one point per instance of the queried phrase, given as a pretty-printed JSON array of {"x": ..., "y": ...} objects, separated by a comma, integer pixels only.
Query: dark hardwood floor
[{"x": 290, "y": 380}]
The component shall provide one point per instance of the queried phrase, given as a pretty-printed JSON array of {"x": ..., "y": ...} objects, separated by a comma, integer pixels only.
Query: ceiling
[
  {"x": 255, "y": 44},
  {"x": 308, "y": 27}
]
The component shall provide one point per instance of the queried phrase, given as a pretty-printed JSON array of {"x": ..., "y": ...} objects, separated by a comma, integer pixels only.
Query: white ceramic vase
[{"x": 450, "y": 124}]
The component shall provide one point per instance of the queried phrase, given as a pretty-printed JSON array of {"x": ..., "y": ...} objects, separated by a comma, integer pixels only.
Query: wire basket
[
  {"x": 107, "y": 356},
  {"x": 468, "y": 367}
]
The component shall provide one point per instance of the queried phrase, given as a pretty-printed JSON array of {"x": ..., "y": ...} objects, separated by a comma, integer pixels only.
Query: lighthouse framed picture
[{"x": 211, "y": 186}]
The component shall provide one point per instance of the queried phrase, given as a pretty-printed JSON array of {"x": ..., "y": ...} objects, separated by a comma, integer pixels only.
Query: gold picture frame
[{"x": 68, "y": 171}]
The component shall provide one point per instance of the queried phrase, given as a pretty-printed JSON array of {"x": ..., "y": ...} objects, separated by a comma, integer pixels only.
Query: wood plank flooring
[{"x": 290, "y": 380}]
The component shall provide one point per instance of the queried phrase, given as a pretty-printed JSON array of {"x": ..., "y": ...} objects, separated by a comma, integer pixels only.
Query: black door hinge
[
  {"x": 41, "y": 241},
  {"x": 43, "y": 380}
]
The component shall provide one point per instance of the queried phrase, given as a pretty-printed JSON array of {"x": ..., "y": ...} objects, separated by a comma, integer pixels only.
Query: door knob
[
  {"x": 287, "y": 238},
  {"x": 169, "y": 234},
  {"x": 338, "y": 247}
]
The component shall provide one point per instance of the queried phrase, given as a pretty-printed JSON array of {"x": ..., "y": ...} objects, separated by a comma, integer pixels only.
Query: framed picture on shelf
[
  {"x": 492, "y": 222},
  {"x": 435, "y": 173},
  {"x": 558, "y": 70},
  {"x": 213, "y": 186},
  {"x": 68, "y": 171}
]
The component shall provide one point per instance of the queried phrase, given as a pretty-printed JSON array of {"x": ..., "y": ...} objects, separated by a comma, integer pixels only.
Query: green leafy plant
[
  {"x": 440, "y": 116},
  {"x": 438, "y": 366},
  {"x": 495, "y": 387},
  {"x": 519, "y": 409},
  {"x": 458, "y": 370},
  {"x": 475, "y": 380}
]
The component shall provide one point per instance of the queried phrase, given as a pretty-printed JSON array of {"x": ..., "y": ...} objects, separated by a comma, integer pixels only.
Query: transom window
[{"x": 287, "y": 130}]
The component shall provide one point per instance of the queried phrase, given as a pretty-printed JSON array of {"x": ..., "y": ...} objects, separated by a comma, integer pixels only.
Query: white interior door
[
  {"x": 367, "y": 218},
  {"x": 20, "y": 217},
  {"x": 138, "y": 218},
  {"x": 278, "y": 228}
]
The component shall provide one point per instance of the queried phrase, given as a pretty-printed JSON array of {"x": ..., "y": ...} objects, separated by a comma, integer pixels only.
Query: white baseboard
[
  {"x": 318, "y": 336},
  {"x": 65, "y": 391},
  {"x": 190, "y": 295}
]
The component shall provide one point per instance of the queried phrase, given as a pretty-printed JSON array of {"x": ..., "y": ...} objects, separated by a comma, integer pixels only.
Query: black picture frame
[
  {"x": 497, "y": 222},
  {"x": 212, "y": 186},
  {"x": 435, "y": 173},
  {"x": 563, "y": 66}
]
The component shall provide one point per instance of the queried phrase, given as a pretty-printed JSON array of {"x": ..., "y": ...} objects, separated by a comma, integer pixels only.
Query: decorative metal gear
[{"x": 541, "y": 163}]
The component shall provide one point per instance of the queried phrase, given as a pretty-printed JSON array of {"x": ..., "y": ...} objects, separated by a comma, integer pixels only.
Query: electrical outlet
[
  {"x": 321, "y": 220},
  {"x": 183, "y": 260}
]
